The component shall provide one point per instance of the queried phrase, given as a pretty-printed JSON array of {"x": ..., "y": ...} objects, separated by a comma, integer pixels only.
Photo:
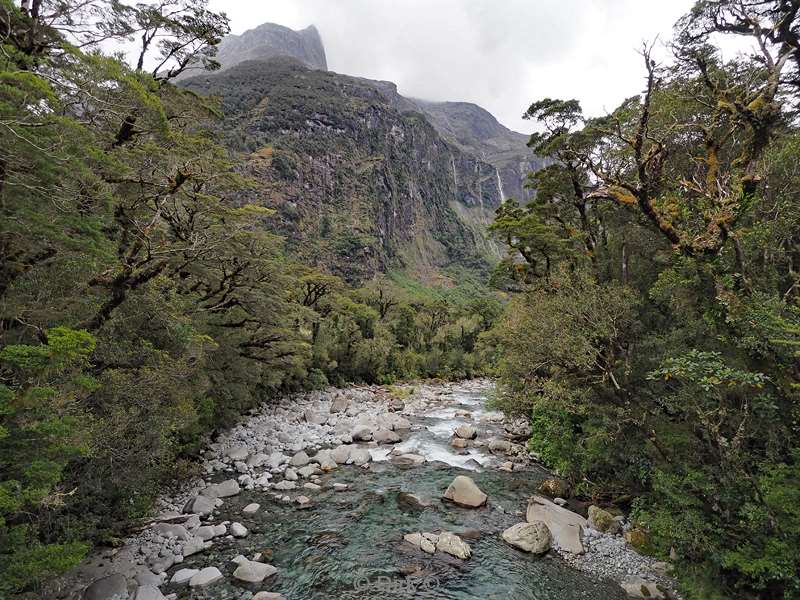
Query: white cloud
[{"x": 501, "y": 54}]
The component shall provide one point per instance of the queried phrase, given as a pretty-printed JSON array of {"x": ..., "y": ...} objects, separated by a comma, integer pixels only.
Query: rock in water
[
  {"x": 341, "y": 454},
  {"x": 222, "y": 490},
  {"x": 148, "y": 592},
  {"x": 112, "y": 587},
  {"x": 254, "y": 572},
  {"x": 531, "y": 537},
  {"x": 300, "y": 459},
  {"x": 182, "y": 576},
  {"x": 466, "y": 432},
  {"x": 564, "y": 525},
  {"x": 360, "y": 456},
  {"x": 464, "y": 492},
  {"x": 408, "y": 502},
  {"x": 205, "y": 577},
  {"x": 408, "y": 460},
  {"x": 497, "y": 446},
  {"x": 385, "y": 436},
  {"x": 451, "y": 544},
  {"x": 420, "y": 541}
]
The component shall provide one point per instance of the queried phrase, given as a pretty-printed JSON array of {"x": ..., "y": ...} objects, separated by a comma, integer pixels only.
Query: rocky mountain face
[
  {"x": 358, "y": 186},
  {"x": 270, "y": 40},
  {"x": 362, "y": 178}
]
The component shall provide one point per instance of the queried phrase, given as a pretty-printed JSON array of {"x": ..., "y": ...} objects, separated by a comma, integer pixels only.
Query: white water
[{"x": 500, "y": 186}]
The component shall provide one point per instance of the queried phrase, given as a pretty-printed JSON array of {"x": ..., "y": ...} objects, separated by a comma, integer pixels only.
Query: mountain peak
[{"x": 269, "y": 40}]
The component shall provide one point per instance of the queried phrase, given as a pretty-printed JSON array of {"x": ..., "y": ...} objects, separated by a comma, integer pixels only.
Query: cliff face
[
  {"x": 362, "y": 178},
  {"x": 359, "y": 187},
  {"x": 270, "y": 40}
]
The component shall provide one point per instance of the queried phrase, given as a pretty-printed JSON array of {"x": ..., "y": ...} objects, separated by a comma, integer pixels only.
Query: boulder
[
  {"x": 340, "y": 487},
  {"x": 276, "y": 459},
  {"x": 148, "y": 592},
  {"x": 360, "y": 456},
  {"x": 466, "y": 432},
  {"x": 251, "y": 508},
  {"x": 530, "y": 537},
  {"x": 254, "y": 572},
  {"x": 453, "y": 545},
  {"x": 205, "y": 577},
  {"x": 341, "y": 454},
  {"x": 326, "y": 461},
  {"x": 308, "y": 471},
  {"x": 236, "y": 453},
  {"x": 499, "y": 446},
  {"x": 602, "y": 520},
  {"x": 636, "y": 587},
  {"x": 224, "y": 489},
  {"x": 312, "y": 487},
  {"x": 290, "y": 474},
  {"x": 408, "y": 460},
  {"x": 458, "y": 442},
  {"x": 636, "y": 537},
  {"x": 147, "y": 578},
  {"x": 423, "y": 543},
  {"x": 182, "y": 576},
  {"x": 285, "y": 485},
  {"x": 555, "y": 488},
  {"x": 361, "y": 433},
  {"x": 193, "y": 546},
  {"x": 300, "y": 459},
  {"x": 238, "y": 530},
  {"x": 200, "y": 505},
  {"x": 393, "y": 421},
  {"x": 385, "y": 436},
  {"x": 564, "y": 525},
  {"x": 464, "y": 492},
  {"x": 340, "y": 404},
  {"x": 408, "y": 502},
  {"x": 112, "y": 587}
]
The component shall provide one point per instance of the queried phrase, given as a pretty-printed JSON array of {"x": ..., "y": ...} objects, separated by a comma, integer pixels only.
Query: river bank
[{"x": 312, "y": 496}]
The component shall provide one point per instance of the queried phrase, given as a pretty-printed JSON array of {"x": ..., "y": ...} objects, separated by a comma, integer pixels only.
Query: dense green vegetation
[
  {"x": 143, "y": 303},
  {"x": 653, "y": 335}
]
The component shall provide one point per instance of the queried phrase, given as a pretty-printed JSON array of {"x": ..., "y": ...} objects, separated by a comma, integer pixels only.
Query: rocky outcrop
[
  {"x": 359, "y": 187},
  {"x": 530, "y": 537},
  {"x": 565, "y": 526},
  {"x": 464, "y": 492}
]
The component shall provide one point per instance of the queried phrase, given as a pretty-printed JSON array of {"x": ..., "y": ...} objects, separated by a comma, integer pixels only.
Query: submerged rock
[
  {"x": 112, "y": 587},
  {"x": 464, "y": 492},
  {"x": 531, "y": 537},
  {"x": 450, "y": 543}
]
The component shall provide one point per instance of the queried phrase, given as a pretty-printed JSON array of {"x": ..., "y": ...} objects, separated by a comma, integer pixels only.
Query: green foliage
[{"x": 653, "y": 334}]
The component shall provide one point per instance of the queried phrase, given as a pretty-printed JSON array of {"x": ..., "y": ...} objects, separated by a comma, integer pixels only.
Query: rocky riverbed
[{"x": 417, "y": 491}]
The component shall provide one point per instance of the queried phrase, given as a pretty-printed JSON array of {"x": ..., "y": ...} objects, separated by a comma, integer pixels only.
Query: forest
[{"x": 646, "y": 320}]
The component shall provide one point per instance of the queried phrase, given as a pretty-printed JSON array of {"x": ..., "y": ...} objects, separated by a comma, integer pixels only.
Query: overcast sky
[{"x": 501, "y": 54}]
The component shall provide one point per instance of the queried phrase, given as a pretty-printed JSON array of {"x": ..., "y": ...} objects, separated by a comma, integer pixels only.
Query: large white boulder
[
  {"x": 464, "y": 492},
  {"x": 564, "y": 525}
]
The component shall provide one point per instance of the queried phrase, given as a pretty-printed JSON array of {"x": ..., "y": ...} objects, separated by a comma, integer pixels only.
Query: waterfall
[
  {"x": 480, "y": 184},
  {"x": 500, "y": 186},
  {"x": 455, "y": 179}
]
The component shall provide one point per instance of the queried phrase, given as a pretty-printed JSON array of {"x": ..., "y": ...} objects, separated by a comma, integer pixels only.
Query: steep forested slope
[{"x": 359, "y": 186}]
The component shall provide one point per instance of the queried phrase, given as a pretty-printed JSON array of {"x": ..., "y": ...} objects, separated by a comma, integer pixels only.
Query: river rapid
[{"x": 338, "y": 533}]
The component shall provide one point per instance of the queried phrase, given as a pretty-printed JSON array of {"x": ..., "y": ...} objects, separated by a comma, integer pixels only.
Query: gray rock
[
  {"x": 148, "y": 592},
  {"x": 285, "y": 485},
  {"x": 450, "y": 543},
  {"x": 290, "y": 474},
  {"x": 464, "y": 492},
  {"x": 466, "y": 432},
  {"x": 149, "y": 578},
  {"x": 171, "y": 531},
  {"x": 251, "y": 508},
  {"x": 112, "y": 587},
  {"x": 201, "y": 505},
  {"x": 236, "y": 453},
  {"x": 315, "y": 417},
  {"x": 300, "y": 459},
  {"x": 268, "y": 596},
  {"x": 257, "y": 460},
  {"x": 362, "y": 433},
  {"x": 565, "y": 526},
  {"x": 408, "y": 460},
  {"x": 205, "y": 577},
  {"x": 193, "y": 546},
  {"x": 224, "y": 489},
  {"x": 308, "y": 471},
  {"x": 341, "y": 454},
  {"x": 340, "y": 404},
  {"x": 408, "y": 502},
  {"x": 531, "y": 537},
  {"x": 340, "y": 487},
  {"x": 254, "y": 572},
  {"x": 276, "y": 459},
  {"x": 238, "y": 530},
  {"x": 419, "y": 541},
  {"x": 385, "y": 436},
  {"x": 360, "y": 456},
  {"x": 182, "y": 576}
]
